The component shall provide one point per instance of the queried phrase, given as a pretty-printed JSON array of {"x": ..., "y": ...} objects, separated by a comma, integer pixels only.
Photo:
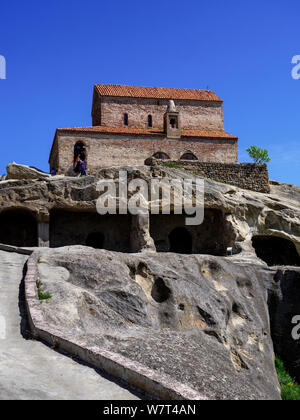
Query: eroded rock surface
[
  {"x": 203, "y": 320},
  {"x": 284, "y": 304},
  {"x": 17, "y": 171},
  {"x": 247, "y": 213}
]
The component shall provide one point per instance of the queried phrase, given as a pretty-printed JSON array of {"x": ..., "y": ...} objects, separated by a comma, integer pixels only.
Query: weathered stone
[
  {"x": 201, "y": 320},
  {"x": 250, "y": 176},
  {"x": 246, "y": 213},
  {"x": 16, "y": 171},
  {"x": 284, "y": 306}
]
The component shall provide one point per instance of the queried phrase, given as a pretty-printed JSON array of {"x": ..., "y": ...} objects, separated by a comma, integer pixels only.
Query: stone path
[{"x": 30, "y": 369}]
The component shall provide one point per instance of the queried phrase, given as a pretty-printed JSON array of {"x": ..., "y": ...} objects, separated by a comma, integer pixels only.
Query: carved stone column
[
  {"x": 140, "y": 238},
  {"x": 43, "y": 230}
]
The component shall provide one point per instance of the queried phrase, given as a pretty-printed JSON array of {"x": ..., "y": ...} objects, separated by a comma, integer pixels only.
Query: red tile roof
[
  {"x": 144, "y": 131},
  {"x": 157, "y": 93}
]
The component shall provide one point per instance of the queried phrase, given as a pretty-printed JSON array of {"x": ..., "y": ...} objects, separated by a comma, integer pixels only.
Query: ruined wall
[
  {"x": 204, "y": 115},
  {"x": 105, "y": 150},
  {"x": 250, "y": 176}
]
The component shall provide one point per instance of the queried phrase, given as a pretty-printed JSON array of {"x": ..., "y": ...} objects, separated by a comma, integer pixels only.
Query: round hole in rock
[
  {"x": 95, "y": 240},
  {"x": 181, "y": 241},
  {"x": 276, "y": 251},
  {"x": 160, "y": 292},
  {"x": 181, "y": 306},
  {"x": 18, "y": 228}
]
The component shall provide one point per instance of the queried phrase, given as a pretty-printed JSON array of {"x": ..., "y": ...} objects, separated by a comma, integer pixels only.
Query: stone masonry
[
  {"x": 249, "y": 176},
  {"x": 131, "y": 124}
]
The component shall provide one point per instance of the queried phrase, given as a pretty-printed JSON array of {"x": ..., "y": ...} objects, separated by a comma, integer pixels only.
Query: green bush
[
  {"x": 258, "y": 154},
  {"x": 290, "y": 390}
]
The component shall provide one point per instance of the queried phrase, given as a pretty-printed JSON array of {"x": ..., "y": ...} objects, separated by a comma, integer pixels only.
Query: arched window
[
  {"x": 149, "y": 120},
  {"x": 125, "y": 119},
  {"x": 188, "y": 156},
  {"x": 173, "y": 123},
  {"x": 161, "y": 155}
]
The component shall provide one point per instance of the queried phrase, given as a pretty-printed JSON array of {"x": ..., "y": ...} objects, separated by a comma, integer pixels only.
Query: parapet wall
[{"x": 250, "y": 176}]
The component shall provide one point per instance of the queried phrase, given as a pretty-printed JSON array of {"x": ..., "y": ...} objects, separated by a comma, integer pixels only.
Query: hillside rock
[
  {"x": 202, "y": 320},
  {"x": 17, "y": 171},
  {"x": 247, "y": 213},
  {"x": 284, "y": 306}
]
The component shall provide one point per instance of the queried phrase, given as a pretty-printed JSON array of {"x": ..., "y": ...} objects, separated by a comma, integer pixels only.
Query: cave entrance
[
  {"x": 181, "y": 241},
  {"x": 18, "y": 228},
  {"x": 276, "y": 251},
  {"x": 171, "y": 234},
  {"x": 111, "y": 232},
  {"x": 95, "y": 240}
]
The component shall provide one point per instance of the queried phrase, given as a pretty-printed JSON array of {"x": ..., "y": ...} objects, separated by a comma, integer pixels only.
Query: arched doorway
[
  {"x": 18, "y": 228},
  {"x": 95, "y": 240},
  {"x": 181, "y": 241},
  {"x": 79, "y": 150},
  {"x": 275, "y": 251}
]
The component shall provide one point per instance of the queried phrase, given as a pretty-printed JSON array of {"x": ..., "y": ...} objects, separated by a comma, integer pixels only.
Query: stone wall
[
  {"x": 106, "y": 150},
  {"x": 249, "y": 176},
  {"x": 202, "y": 115}
]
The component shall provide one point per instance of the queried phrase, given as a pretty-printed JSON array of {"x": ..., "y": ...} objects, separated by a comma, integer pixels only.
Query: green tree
[{"x": 258, "y": 155}]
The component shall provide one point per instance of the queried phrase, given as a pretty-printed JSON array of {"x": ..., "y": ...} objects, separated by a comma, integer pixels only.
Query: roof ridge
[
  {"x": 156, "y": 92},
  {"x": 151, "y": 131}
]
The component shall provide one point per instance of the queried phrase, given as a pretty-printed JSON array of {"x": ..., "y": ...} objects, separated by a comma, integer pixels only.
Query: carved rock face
[{"x": 202, "y": 320}]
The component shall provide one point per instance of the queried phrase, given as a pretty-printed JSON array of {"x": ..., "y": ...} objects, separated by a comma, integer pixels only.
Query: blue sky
[{"x": 56, "y": 51}]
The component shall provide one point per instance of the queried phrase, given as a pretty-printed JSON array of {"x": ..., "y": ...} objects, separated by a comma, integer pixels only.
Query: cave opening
[
  {"x": 95, "y": 240},
  {"x": 110, "y": 232},
  {"x": 181, "y": 241},
  {"x": 212, "y": 237},
  {"x": 276, "y": 251},
  {"x": 18, "y": 228}
]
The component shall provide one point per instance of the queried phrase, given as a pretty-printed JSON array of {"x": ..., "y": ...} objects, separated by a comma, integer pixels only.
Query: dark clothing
[{"x": 80, "y": 168}]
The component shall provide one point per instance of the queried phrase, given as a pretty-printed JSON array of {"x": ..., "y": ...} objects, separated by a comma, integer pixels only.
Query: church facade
[{"x": 131, "y": 124}]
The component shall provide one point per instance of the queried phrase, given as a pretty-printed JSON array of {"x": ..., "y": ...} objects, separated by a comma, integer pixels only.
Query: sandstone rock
[
  {"x": 16, "y": 171},
  {"x": 202, "y": 320},
  {"x": 247, "y": 213},
  {"x": 284, "y": 306},
  {"x": 168, "y": 311}
]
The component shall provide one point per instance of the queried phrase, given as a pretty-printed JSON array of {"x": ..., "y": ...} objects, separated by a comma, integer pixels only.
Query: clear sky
[{"x": 242, "y": 50}]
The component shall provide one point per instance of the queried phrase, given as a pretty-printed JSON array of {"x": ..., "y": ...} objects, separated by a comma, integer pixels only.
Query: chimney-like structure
[{"x": 172, "y": 121}]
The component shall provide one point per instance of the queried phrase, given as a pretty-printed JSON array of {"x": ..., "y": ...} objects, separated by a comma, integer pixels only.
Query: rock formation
[
  {"x": 17, "y": 171},
  {"x": 200, "y": 319}
]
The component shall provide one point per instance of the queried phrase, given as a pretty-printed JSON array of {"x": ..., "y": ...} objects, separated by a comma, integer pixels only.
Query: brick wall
[
  {"x": 194, "y": 114},
  {"x": 105, "y": 150},
  {"x": 250, "y": 176}
]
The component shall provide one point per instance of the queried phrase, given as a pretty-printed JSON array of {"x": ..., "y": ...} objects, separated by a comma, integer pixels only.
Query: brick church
[{"x": 131, "y": 124}]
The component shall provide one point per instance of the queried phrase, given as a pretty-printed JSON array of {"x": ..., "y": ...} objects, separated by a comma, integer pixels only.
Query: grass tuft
[
  {"x": 290, "y": 390},
  {"x": 41, "y": 295},
  {"x": 172, "y": 165}
]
